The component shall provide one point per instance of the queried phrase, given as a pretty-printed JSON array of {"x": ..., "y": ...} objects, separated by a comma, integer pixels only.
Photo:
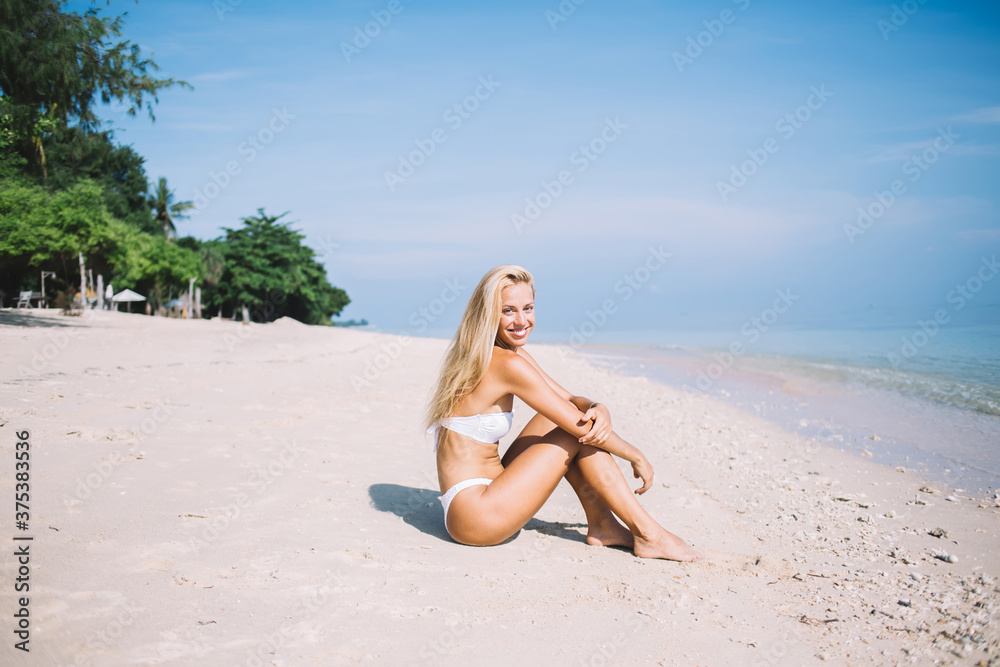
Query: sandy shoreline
[
  {"x": 953, "y": 446},
  {"x": 209, "y": 493}
]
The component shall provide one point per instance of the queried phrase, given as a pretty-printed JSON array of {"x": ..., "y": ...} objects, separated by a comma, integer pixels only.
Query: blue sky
[{"x": 835, "y": 100}]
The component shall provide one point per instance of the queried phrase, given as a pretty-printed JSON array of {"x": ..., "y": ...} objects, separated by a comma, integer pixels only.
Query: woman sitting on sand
[{"x": 487, "y": 499}]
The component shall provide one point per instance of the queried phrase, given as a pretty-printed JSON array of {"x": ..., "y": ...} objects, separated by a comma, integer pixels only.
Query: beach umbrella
[{"x": 128, "y": 296}]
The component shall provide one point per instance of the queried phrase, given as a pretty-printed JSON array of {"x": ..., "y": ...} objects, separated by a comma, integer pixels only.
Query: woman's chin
[{"x": 512, "y": 342}]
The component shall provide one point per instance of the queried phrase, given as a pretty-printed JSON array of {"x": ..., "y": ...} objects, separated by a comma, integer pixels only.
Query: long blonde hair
[{"x": 470, "y": 351}]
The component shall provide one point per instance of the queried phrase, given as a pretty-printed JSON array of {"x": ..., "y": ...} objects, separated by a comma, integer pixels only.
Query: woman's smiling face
[{"x": 517, "y": 315}]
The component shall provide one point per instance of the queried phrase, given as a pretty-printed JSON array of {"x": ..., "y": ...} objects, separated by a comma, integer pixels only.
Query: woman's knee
[
  {"x": 556, "y": 436},
  {"x": 569, "y": 442}
]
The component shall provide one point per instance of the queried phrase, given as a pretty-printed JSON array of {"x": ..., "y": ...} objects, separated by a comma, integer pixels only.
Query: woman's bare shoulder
[
  {"x": 503, "y": 358},
  {"x": 524, "y": 353},
  {"x": 512, "y": 366}
]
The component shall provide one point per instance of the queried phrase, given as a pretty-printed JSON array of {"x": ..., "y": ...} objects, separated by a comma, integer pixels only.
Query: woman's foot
[
  {"x": 610, "y": 533},
  {"x": 665, "y": 545}
]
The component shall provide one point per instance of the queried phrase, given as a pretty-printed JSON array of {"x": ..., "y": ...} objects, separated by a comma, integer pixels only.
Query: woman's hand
[
  {"x": 601, "y": 430},
  {"x": 641, "y": 468}
]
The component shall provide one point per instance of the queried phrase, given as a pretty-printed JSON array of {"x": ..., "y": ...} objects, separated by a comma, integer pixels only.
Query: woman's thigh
[
  {"x": 534, "y": 431},
  {"x": 484, "y": 515}
]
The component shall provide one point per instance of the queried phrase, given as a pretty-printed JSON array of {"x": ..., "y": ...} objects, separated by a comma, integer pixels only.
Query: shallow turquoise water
[{"x": 925, "y": 401}]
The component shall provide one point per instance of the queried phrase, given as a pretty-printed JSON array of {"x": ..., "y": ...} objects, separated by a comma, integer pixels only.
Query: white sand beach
[{"x": 209, "y": 493}]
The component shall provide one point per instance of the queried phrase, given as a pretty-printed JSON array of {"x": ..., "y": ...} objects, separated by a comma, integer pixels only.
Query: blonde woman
[{"x": 487, "y": 499}]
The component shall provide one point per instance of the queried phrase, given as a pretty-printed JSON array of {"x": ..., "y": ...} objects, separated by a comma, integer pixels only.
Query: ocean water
[{"x": 921, "y": 399}]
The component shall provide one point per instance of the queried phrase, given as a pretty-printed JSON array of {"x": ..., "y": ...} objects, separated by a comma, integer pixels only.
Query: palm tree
[{"x": 162, "y": 202}]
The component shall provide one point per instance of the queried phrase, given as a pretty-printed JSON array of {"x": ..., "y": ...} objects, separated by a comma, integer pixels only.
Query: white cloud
[
  {"x": 224, "y": 75},
  {"x": 907, "y": 150},
  {"x": 989, "y": 115},
  {"x": 899, "y": 152},
  {"x": 980, "y": 235},
  {"x": 202, "y": 127}
]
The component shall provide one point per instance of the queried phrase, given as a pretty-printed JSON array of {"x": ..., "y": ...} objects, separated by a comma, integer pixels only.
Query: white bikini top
[{"x": 487, "y": 428}]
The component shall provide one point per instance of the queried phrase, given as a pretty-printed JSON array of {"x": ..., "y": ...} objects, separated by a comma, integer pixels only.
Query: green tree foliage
[
  {"x": 66, "y": 188},
  {"x": 7, "y": 135},
  {"x": 267, "y": 268},
  {"x": 44, "y": 230},
  {"x": 74, "y": 155},
  {"x": 166, "y": 209},
  {"x": 212, "y": 259},
  {"x": 151, "y": 265},
  {"x": 54, "y": 65}
]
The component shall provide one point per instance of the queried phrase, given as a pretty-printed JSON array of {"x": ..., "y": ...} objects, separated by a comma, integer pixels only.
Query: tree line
[{"x": 67, "y": 188}]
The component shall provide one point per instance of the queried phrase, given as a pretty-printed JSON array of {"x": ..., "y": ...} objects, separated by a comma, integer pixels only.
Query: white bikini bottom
[{"x": 450, "y": 494}]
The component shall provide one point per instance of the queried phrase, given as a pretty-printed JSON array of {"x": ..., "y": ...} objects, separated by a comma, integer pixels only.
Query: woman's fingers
[
  {"x": 597, "y": 436},
  {"x": 645, "y": 471},
  {"x": 605, "y": 413},
  {"x": 646, "y": 483},
  {"x": 599, "y": 430},
  {"x": 588, "y": 416}
]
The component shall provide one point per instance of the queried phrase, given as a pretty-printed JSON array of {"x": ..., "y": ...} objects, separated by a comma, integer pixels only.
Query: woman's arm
[
  {"x": 526, "y": 382},
  {"x": 641, "y": 467},
  {"x": 598, "y": 413},
  {"x": 523, "y": 379},
  {"x": 556, "y": 387}
]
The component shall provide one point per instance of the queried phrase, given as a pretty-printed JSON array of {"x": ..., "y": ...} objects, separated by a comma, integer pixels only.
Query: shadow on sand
[
  {"x": 421, "y": 509},
  {"x": 12, "y": 317}
]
